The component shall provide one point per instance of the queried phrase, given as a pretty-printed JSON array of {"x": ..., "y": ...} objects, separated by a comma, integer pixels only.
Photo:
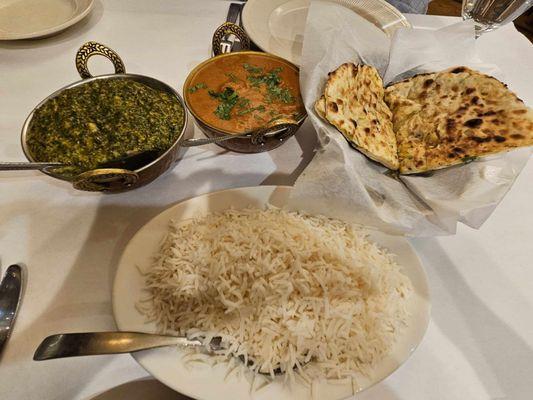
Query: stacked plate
[
  {"x": 27, "y": 19},
  {"x": 278, "y": 26}
]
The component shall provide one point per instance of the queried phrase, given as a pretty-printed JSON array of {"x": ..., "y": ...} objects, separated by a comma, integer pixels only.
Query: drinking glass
[{"x": 490, "y": 14}]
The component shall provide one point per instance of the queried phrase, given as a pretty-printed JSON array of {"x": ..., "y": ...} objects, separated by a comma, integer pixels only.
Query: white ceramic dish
[
  {"x": 201, "y": 381},
  {"x": 27, "y": 19},
  {"x": 277, "y": 26}
]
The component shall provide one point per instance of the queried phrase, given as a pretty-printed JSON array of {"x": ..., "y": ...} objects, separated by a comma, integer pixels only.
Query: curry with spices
[{"x": 240, "y": 94}]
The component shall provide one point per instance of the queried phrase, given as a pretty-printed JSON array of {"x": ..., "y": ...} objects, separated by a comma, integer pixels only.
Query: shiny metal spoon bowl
[{"x": 10, "y": 295}]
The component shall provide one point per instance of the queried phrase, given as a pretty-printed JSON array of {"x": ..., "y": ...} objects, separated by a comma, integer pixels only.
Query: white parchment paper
[{"x": 341, "y": 182}]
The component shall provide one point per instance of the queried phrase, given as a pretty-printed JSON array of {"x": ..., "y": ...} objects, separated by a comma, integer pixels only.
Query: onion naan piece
[{"x": 447, "y": 118}]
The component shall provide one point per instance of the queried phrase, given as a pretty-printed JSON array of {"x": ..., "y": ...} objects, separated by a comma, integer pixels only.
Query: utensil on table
[
  {"x": 95, "y": 343},
  {"x": 220, "y": 43},
  {"x": 28, "y": 166},
  {"x": 10, "y": 295},
  {"x": 491, "y": 14},
  {"x": 64, "y": 345},
  {"x": 228, "y": 43},
  {"x": 286, "y": 126},
  {"x": 131, "y": 161}
]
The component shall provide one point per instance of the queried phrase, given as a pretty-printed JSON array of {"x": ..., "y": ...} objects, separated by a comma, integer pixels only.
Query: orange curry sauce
[{"x": 241, "y": 93}]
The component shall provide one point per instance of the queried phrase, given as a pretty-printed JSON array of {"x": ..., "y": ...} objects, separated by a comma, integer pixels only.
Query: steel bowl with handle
[
  {"x": 277, "y": 132},
  {"x": 111, "y": 180}
]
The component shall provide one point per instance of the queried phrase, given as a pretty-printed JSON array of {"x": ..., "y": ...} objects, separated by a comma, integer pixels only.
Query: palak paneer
[{"x": 102, "y": 120}]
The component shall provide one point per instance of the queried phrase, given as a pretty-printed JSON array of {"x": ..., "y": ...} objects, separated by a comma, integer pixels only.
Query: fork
[{"x": 226, "y": 45}]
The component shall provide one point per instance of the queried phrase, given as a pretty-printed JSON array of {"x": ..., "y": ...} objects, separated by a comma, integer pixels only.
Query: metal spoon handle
[
  {"x": 256, "y": 137},
  {"x": 17, "y": 166},
  {"x": 203, "y": 141},
  {"x": 94, "y": 343}
]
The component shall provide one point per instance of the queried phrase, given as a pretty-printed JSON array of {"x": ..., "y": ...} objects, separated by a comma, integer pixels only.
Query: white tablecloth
[{"x": 479, "y": 344}]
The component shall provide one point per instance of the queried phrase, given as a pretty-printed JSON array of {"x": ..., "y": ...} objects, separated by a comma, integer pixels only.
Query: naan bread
[
  {"x": 427, "y": 122},
  {"x": 320, "y": 107},
  {"x": 354, "y": 105},
  {"x": 445, "y": 118}
]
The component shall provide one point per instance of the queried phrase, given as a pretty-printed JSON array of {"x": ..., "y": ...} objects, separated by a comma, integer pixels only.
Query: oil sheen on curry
[{"x": 241, "y": 94}]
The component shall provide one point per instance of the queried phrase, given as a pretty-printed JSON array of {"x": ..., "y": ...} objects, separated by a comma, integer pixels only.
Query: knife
[{"x": 10, "y": 294}]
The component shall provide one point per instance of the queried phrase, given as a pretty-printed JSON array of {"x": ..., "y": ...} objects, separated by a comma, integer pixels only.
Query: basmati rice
[{"x": 280, "y": 288}]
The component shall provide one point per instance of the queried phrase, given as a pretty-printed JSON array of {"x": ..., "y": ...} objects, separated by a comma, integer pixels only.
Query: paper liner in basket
[{"x": 342, "y": 183}]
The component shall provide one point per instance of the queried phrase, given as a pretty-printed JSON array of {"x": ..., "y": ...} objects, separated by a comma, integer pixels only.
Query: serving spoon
[
  {"x": 98, "y": 343},
  {"x": 131, "y": 161},
  {"x": 257, "y": 136}
]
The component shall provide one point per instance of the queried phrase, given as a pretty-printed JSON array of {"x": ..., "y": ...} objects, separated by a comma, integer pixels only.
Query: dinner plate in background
[
  {"x": 27, "y": 19},
  {"x": 204, "y": 382},
  {"x": 277, "y": 26}
]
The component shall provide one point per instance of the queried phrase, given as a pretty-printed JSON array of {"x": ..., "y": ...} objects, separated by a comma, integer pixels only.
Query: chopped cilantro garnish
[
  {"x": 228, "y": 98},
  {"x": 243, "y": 103},
  {"x": 272, "y": 81},
  {"x": 251, "y": 69},
  {"x": 197, "y": 87},
  {"x": 260, "y": 108},
  {"x": 232, "y": 77},
  {"x": 255, "y": 80},
  {"x": 281, "y": 94}
]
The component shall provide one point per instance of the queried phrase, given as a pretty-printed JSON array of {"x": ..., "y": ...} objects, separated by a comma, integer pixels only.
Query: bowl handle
[
  {"x": 105, "y": 180},
  {"x": 226, "y": 29},
  {"x": 90, "y": 49}
]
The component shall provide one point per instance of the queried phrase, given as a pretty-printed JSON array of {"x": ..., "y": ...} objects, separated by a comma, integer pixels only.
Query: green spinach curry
[{"x": 103, "y": 120}]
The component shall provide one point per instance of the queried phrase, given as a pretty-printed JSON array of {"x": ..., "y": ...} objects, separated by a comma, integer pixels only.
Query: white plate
[
  {"x": 277, "y": 26},
  {"x": 210, "y": 383},
  {"x": 26, "y": 19}
]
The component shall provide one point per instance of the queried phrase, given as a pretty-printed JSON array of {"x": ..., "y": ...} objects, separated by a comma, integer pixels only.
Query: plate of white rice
[{"x": 335, "y": 307}]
